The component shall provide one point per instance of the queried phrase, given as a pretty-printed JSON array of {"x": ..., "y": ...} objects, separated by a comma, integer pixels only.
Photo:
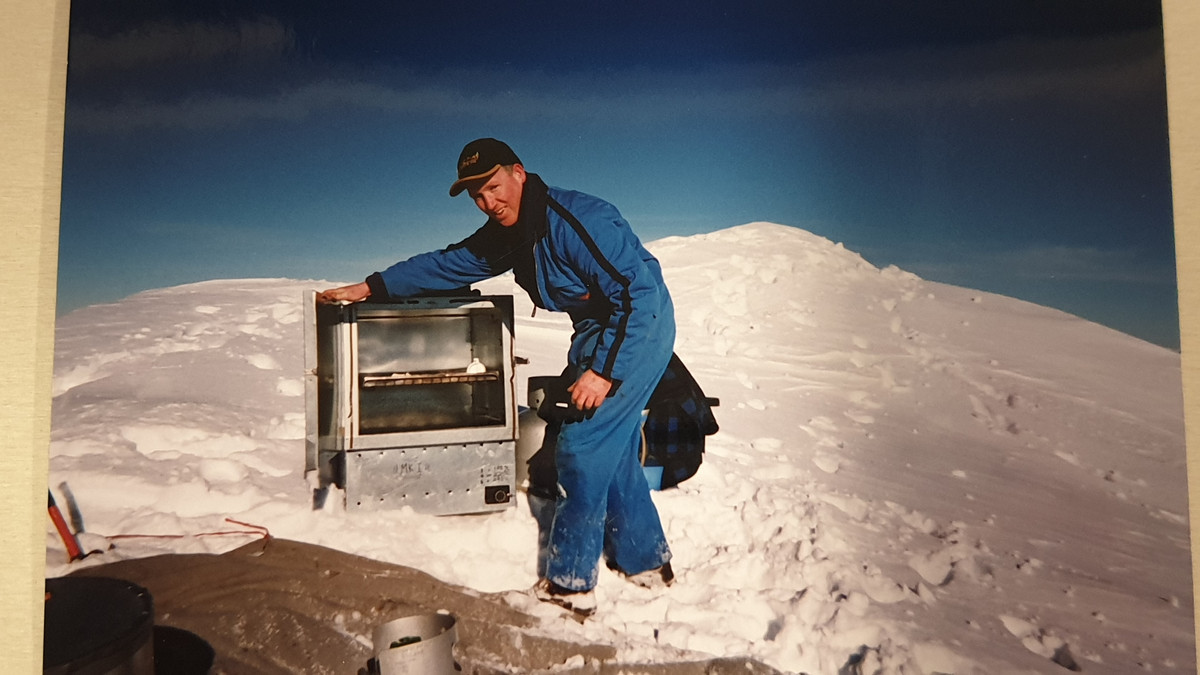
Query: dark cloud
[
  {"x": 1104, "y": 69},
  {"x": 181, "y": 43},
  {"x": 108, "y": 36}
]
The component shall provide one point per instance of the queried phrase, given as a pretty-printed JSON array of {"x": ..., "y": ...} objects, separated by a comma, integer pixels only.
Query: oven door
[{"x": 328, "y": 418}]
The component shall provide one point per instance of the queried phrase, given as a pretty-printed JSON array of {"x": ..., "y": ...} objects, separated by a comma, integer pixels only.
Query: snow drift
[{"x": 910, "y": 476}]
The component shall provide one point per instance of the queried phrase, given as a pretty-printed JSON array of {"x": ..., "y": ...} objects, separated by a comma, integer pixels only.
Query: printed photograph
[{"x": 792, "y": 337}]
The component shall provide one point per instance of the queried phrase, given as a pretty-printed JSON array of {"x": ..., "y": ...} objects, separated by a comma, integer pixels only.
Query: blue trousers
[{"x": 604, "y": 506}]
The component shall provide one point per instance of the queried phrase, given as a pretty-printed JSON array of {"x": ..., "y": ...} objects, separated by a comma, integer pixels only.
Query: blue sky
[{"x": 1018, "y": 148}]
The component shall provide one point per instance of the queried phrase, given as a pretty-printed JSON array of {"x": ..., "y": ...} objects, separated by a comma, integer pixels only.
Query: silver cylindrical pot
[{"x": 417, "y": 645}]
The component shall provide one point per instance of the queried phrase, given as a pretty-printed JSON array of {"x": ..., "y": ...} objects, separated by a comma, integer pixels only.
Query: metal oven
[{"x": 412, "y": 402}]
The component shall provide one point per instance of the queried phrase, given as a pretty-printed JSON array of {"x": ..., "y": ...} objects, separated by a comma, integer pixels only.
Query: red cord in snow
[{"x": 254, "y": 529}]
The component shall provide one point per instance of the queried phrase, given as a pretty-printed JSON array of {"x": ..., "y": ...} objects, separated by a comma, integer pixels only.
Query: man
[{"x": 574, "y": 253}]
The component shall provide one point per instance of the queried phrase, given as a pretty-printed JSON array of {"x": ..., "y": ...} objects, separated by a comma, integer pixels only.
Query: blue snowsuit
[{"x": 575, "y": 253}]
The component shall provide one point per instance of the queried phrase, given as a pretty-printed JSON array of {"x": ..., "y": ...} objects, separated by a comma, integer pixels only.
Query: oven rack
[{"x": 377, "y": 380}]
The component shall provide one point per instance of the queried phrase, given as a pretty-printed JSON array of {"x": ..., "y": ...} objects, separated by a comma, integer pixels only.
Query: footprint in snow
[
  {"x": 1041, "y": 642},
  {"x": 827, "y": 464}
]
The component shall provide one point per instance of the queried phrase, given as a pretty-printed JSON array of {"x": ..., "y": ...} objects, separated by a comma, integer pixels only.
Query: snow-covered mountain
[{"x": 909, "y": 476}]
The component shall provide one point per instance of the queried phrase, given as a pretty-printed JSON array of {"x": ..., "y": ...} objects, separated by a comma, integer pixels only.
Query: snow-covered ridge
[{"x": 910, "y": 476}]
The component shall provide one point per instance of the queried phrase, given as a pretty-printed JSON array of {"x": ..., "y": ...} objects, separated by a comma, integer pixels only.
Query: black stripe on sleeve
[{"x": 612, "y": 271}]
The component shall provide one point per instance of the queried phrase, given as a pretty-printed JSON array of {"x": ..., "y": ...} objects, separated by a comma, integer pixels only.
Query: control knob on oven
[{"x": 496, "y": 494}]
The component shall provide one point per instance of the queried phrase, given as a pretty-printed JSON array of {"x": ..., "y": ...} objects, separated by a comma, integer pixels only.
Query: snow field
[{"x": 909, "y": 478}]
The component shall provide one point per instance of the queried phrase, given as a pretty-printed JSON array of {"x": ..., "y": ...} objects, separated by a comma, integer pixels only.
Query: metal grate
[{"x": 409, "y": 379}]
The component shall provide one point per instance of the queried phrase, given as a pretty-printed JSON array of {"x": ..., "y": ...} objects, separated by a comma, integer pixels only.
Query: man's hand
[
  {"x": 351, "y": 293},
  {"x": 589, "y": 391}
]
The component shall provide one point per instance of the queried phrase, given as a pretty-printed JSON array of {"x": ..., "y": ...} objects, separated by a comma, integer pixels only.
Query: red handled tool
[{"x": 60, "y": 524}]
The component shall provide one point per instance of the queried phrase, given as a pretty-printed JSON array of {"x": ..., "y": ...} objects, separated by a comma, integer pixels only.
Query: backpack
[{"x": 679, "y": 418}]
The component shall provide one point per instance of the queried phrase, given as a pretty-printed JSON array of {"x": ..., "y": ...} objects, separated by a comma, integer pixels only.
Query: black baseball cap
[{"x": 480, "y": 159}]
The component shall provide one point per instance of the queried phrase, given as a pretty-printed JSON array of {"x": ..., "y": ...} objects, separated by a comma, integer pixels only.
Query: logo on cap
[{"x": 481, "y": 158}]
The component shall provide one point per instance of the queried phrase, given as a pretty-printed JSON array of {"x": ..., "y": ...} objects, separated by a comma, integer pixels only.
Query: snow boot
[
  {"x": 580, "y": 603},
  {"x": 656, "y": 579}
]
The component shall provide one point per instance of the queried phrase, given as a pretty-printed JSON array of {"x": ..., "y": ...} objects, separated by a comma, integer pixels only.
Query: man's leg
[
  {"x": 602, "y": 489},
  {"x": 634, "y": 539},
  {"x": 587, "y": 457}
]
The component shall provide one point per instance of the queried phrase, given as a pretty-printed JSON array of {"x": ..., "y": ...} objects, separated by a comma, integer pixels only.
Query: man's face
[{"x": 499, "y": 197}]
